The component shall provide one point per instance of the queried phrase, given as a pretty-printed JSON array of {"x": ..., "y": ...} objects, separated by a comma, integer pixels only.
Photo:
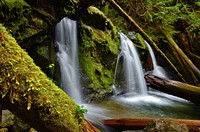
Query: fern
[{"x": 194, "y": 26}]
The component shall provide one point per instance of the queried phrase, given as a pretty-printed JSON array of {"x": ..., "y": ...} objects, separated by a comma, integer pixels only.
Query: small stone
[{"x": 7, "y": 118}]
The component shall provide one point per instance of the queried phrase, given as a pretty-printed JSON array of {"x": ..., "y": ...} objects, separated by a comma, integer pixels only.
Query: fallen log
[
  {"x": 141, "y": 123},
  {"x": 27, "y": 92},
  {"x": 183, "y": 90}
]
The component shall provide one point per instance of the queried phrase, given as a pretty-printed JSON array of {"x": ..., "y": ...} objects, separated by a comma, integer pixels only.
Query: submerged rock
[{"x": 165, "y": 125}]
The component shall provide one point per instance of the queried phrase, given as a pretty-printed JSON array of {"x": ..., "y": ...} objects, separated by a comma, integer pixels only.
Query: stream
[{"x": 130, "y": 105}]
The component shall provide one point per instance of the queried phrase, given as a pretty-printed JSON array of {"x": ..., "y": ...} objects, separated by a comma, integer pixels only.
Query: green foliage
[
  {"x": 51, "y": 66},
  {"x": 81, "y": 109},
  {"x": 171, "y": 14},
  {"x": 194, "y": 26},
  {"x": 198, "y": 4}
]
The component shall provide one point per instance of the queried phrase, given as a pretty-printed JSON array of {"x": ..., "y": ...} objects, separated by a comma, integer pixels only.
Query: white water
[
  {"x": 132, "y": 69},
  {"x": 67, "y": 56},
  {"x": 157, "y": 70}
]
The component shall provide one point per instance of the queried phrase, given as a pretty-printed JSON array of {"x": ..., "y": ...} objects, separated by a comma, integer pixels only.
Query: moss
[
  {"x": 43, "y": 51},
  {"x": 118, "y": 21},
  {"x": 13, "y": 12},
  {"x": 19, "y": 19},
  {"x": 99, "y": 49},
  {"x": 96, "y": 45},
  {"x": 25, "y": 85}
]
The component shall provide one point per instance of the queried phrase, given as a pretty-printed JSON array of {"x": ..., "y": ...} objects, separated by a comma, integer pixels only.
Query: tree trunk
[
  {"x": 146, "y": 36},
  {"x": 140, "y": 123},
  {"x": 183, "y": 90},
  {"x": 28, "y": 93},
  {"x": 190, "y": 72}
]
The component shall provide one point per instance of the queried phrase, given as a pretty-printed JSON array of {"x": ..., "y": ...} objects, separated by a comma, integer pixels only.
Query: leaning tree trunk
[
  {"x": 190, "y": 72},
  {"x": 28, "y": 93},
  {"x": 183, "y": 90}
]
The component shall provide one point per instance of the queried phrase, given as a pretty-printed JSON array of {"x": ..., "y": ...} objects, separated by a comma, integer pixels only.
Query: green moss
[
  {"x": 15, "y": 4},
  {"x": 19, "y": 19},
  {"x": 118, "y": 21},
  {"x": 25, "y": 85},
  {"x": 99, "y": 48},
  {"x": 43, "y": 50}
]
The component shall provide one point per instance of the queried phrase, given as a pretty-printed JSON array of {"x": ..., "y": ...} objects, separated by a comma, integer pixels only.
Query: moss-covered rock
[
  {"x": 98, "y": 50},
  {"x": 32, "y": 26},
  {"x": 16, "y": 16}
]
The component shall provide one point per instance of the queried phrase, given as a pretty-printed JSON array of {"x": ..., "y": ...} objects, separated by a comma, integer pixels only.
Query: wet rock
[
  {"x": 7, "y": 119},
  {"x": 165, "y": 125}
]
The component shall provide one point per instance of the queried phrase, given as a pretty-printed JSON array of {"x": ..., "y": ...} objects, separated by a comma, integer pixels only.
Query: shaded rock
[
  {"x": 7, "y": 119},
  {"x": 165, "y": 125}
]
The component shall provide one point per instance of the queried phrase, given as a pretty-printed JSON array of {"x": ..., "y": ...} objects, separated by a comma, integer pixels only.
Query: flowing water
[
  {"x": 157, "y": 70},
  {"x": 131, "y": 103},
  {"x": 130, "y": 69},
  {"x": 138, "y": 104},
  {"x": 156, "y": 104},
  {"x": 67, "y": 56}
]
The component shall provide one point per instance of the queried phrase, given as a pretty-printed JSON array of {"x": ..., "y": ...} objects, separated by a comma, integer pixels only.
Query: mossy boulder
[{"x": 98, "y": 50}]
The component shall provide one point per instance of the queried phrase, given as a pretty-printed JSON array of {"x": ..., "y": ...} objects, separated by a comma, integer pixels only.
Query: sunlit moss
[{"x": 24, "y": 83}]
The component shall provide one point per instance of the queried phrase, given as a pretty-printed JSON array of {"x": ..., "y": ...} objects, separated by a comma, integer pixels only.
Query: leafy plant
[
  {"x": 51, "y": 66},
  {"x": 81, "y": 109}
]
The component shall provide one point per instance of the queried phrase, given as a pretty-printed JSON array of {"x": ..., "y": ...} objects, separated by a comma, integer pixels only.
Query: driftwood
[
  {"x": 27, "y": 92},
  {"x": 183, "y": 90},
  {"x": 141, "y": 123}
]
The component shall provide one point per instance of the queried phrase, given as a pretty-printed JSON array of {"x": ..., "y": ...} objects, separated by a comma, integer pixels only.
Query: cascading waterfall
[
  {"x": 67, "y": 56},
  {"x": 131, "y": 67},
  {"x": 157, "y": 70}
]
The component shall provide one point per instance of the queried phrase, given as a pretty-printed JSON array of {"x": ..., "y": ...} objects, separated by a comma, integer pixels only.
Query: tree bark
[
  {"x": 190, "y": 72},
  {"x": 140, "y": 123},
  {"x": 183, "y": 90},
  {"x": 28, "y": 93},
  {"x": 146, "y": 36}
]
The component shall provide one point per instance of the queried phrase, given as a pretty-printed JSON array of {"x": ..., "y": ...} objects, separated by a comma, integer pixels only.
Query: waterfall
[
  {"x": 130, "y": 68},
  {"x": 67, "y": 56},
  {"x": 157, "y": 70}
]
